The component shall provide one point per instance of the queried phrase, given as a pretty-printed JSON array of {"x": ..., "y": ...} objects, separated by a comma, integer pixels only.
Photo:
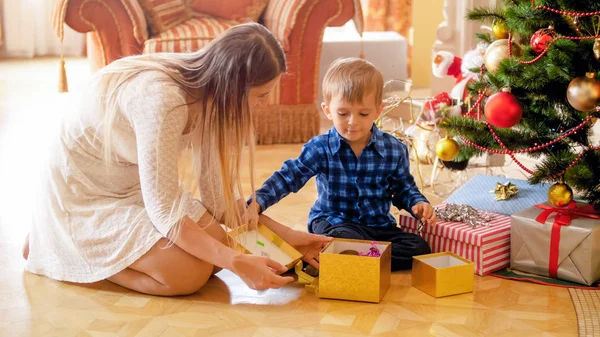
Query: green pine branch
[
  {"x": 541, "y": 88},
  {"x": 485, "y": 37},
  {"x": 486, "y": 15}
]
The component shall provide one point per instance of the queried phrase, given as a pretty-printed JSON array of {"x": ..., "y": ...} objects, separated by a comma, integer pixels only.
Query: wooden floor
[{"x": 37, "y": 306}]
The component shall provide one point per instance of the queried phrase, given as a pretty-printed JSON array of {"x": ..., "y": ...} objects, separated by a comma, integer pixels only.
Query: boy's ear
[
  {"x": 380, "y": 109},
  {"x": 326, "y": 110}
]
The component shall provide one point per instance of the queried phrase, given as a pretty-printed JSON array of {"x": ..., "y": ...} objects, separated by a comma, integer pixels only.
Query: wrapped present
[
  {"x": 488, "y": 246},
  {"x": 442, "y": 274},
  {"x": 559, "y": 242},
  {"x": 479, "y": 192},
  {"x": 347, "y": 276},
  {"x": 264, "y": 242}
]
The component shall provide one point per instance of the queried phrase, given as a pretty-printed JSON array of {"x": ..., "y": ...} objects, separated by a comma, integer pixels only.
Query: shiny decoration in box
[{"x": 354, "y": 277}]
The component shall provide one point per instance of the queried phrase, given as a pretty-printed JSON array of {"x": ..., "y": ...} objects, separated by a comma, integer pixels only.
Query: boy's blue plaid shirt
[{"x": 350, "y": 189}]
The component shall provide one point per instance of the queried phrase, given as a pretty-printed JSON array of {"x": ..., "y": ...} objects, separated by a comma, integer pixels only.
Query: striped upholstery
[
  {"x": 132, "y": 8},
  {"x": 237, "y": 10},
  {"x": 165, "y": 14},
  {"x": 136, "y": 13},
  {"x": 189, "y": 36},
  {"x": 280, "y": 18}
]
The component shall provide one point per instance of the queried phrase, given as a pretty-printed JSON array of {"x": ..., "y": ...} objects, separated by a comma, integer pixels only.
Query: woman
[{"x": 112, "y": 205}]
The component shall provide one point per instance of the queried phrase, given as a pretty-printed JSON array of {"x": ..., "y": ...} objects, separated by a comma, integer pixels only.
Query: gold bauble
[
  {"x": 596, "y": 49},
  {"x": 498, "y": 51},
  {"x": 499, "y": 29},
  {"x": 583, "y": 93},
  {"x": 560, "y": 194},
  {"x": 447, "y": 149}
]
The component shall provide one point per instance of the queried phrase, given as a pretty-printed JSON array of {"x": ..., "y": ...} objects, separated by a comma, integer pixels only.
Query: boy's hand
[
  {"x": 251, "y": 214},
  {"x": 424, "y": 211},
  {"x": 309, "y": 245}
]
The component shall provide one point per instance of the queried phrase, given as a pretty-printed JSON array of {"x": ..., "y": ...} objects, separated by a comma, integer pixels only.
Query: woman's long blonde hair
[{"x": 218, "y": 79}]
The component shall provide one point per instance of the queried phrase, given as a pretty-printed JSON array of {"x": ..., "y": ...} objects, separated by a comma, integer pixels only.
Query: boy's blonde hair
[{"x": 353, "y": 78}]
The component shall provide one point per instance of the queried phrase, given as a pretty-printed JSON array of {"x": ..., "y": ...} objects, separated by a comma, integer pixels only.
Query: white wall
[{"x": 457, "y": 35}]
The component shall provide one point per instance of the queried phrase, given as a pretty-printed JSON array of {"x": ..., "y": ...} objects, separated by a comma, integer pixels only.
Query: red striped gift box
[{"x": 487, "y": 247}]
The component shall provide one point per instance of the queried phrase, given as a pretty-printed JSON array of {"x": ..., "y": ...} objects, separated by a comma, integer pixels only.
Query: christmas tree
[{"x": 541, "y": 96}]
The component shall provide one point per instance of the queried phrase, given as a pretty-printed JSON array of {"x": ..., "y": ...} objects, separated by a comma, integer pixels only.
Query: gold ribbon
[
  {"x": 311, "y": 283},
  {"x": 505, "y": 191}
]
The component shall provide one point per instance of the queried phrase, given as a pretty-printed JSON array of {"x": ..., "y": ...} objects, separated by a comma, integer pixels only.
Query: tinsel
[
  {"x": 373, "y": 251},
  {"x": 464, "y": 213}
]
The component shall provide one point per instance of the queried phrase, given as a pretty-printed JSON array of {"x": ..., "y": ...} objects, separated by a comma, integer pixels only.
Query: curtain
[
  {"x": 386, "y": 15},
  {"x": 0, "y": 29},
  {"x": 28, "y": 31},
  {"x": 389, "y": 15}
]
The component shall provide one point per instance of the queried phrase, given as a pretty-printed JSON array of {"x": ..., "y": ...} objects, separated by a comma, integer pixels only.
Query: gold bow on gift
[{"x": 505, "y": 191}]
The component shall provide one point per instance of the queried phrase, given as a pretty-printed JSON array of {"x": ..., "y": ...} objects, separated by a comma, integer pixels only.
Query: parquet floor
[{"x": 36, "y": 306}]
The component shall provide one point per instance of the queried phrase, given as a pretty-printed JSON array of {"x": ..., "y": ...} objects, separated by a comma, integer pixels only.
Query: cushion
[
  {"x": 280, "y": 18},
  {"x": 189, "y": 36},
  {"x": 164, "y": 14},
  {"x": 236, "y": 10}
]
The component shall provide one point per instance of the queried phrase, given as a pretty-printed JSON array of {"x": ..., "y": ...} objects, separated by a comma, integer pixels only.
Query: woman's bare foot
[{"x": 26, "y": 247}]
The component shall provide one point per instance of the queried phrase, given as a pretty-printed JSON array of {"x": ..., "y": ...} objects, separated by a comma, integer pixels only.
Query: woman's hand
[
  {"x": 258, "y": 272},
  {"x": 309, "y": 245}
]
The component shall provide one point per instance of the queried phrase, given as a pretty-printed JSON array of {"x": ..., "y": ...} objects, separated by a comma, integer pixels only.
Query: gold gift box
[
  {"x": 264, "y": 242},
  {"x": 442, "y": 274},
  {"x": 354, "y": 277}
]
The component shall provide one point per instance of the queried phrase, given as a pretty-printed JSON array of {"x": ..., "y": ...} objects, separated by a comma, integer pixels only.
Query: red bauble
[
  {"x": 503, "y": 110},
  {"x": 541, "y": 39}
]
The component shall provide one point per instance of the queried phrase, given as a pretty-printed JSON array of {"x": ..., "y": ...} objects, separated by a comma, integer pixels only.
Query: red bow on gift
[{"x": 563, "y": 217}]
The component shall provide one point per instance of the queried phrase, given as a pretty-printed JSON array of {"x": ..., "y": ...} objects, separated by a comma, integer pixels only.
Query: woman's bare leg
[
  {"x": 169, "y": 271},
  {"x": 165, "y": 272},
  {"x": 138, "y": 281}
]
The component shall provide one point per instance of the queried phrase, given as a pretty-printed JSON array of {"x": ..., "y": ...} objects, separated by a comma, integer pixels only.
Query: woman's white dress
[{"x": 90, "y": 220}]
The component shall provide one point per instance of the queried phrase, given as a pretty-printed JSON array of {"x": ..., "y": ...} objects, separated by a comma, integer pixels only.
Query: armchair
[{"x": 118, "y": 28}]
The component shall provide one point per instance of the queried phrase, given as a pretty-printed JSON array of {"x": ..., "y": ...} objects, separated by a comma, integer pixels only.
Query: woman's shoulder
[
  {"x": 152, "y": 93},
  {"x": 155, "y": 81},
  {"x": 153, "y": 86}
]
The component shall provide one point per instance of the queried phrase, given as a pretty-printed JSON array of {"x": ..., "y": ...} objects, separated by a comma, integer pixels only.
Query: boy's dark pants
[{"x": 404, "y": 245}]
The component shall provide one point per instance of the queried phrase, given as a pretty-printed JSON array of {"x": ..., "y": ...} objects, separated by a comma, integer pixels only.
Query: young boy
[{"x": 360, "y": 170}]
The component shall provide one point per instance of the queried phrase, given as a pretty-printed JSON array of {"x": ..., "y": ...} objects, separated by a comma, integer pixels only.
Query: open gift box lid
[{"x": 264, "y": 242}]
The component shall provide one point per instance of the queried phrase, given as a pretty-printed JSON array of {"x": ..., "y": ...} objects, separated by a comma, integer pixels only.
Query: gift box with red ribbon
[{"x": 559, "y": 242}]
